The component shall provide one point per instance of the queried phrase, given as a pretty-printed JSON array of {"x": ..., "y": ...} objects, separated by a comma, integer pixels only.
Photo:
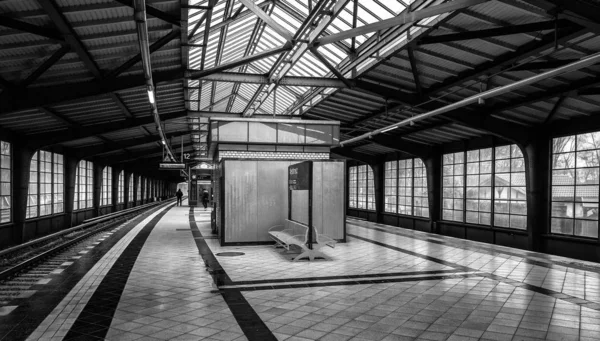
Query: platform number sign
[{"x": 187, "y": 156}]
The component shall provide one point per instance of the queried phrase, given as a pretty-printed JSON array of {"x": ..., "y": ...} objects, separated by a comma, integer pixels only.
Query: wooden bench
[{"x": 295, "y": 233}]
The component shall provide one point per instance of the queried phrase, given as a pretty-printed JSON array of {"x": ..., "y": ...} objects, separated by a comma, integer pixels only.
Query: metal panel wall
[
  {"x": 256, "y": 198},
  {"x": 272, "y": 196},
  {"x": 241, "y": 221}
]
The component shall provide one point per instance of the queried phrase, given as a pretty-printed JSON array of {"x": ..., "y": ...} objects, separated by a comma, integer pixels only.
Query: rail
[
  {"x": 86, "y": 223},
  {"x": 16, "y": 269}
]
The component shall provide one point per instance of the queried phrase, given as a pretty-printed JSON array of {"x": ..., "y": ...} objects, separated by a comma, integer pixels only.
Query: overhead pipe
[
  {"x": 584, "y": 62},
  {"x": 139, "y": 9}
]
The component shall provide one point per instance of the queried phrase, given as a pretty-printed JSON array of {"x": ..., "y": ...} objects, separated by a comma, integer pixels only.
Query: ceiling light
[{"x": 151, "y": 96}]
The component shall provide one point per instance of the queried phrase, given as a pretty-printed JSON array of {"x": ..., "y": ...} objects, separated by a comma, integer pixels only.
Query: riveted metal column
[
  {"x": 97, "y": 187},
  {"x": 537, "y": 153},
  {"x": 21, "y": 156},
  {"x": 115, "y": 188},
  {"x": 70, "y": 180},
  {"x": 433, "y": 167},
  {"x": 378, "y": 181},
  {"x": 126, "y": 198}
]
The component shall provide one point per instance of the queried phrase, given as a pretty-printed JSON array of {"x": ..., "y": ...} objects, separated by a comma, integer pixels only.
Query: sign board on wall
[
  {"x": 299, "y": 176},
  {"x": 170, "y": 166}
]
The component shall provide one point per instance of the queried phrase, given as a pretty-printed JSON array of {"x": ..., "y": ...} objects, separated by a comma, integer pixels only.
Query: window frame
[
  {"x": 10, "y": 182},
  {"x": 106, "y": 187},
  {"x": 574, "y": 185},
  {"x": 415, "y": 163},
  {"x": 368, "y": 170},
  {"x": 493, "y": 174},
  {"x": 88, "y": 166},
  {"x": 39, "y": 182}
]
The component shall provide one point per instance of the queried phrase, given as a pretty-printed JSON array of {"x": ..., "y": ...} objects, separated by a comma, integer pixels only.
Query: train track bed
[{"x": 24, "y": 266}]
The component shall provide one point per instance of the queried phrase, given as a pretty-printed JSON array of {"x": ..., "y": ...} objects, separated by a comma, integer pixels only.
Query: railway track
[{"x": 32, "y": 263}]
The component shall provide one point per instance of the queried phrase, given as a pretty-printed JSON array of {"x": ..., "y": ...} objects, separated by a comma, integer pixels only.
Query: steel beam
[
  {"x": 555, "y": 108},
  {"x": 535, "y": 66},
  {"x": 171, "y": 19},
  {"x": 331, "y": 68},
  {"x": 56, "y": 56},
  {"x": 67, "y": 135},
  {"x": 351, "y": 154},
  {"x": 59, "y": 117},
  {"x": 299, "y": 52},
  {"x": 95, "y": 150},
  {"x": 415, "y": 71},
  {"x": 282, "y": 31},
  {"x": 523, "y": 52},
  {"x": 138, "y": 57},
  {"x": 70, "y": 36},
  {"x": 495, "y": 32},
  {"x": 119, "y": 102},
  {"x": 45, "y": 32},
  {"x": 401, "y": 19},
  {"x": 239, "y": 62}
]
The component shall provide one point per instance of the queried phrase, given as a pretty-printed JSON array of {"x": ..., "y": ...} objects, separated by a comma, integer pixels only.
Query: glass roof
[{"x": 235, "y": 32}]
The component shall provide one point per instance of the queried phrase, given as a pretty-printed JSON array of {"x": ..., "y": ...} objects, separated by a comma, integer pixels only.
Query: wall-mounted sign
[
  {"x": 299, "y": 176},
  {"x": 170, "y": 166}
]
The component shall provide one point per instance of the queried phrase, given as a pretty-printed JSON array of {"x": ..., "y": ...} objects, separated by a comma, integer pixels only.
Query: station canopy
[{"x": 72, "y": 75}]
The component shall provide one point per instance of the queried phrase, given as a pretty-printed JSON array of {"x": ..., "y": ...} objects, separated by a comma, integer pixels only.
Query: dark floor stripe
[
  {"x": 464, "y": 244},
  {"x": 346, "y": 277},
  {"x": 357, "y": 282},
  {"x": 558, "y": 295},
  {"x": 251, "y": 324},
  {"x": 19, "y": 324},
  {"x": 94, "y": 321}
]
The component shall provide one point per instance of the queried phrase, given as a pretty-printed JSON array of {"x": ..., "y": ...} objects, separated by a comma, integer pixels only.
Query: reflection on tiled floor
[
  {"x": 385, "y": 283},
  {"x": 168, "y": 293},
  {"x": 495, "y": 301}
]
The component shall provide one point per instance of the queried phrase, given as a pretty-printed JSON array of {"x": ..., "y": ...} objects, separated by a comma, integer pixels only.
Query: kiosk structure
[{"x": 252, "y": 159}]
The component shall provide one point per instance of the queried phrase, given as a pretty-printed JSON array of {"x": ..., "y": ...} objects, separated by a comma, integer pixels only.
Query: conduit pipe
[
  {"x": 139, "y": 10},
  {"x": 584, "y": 62}
]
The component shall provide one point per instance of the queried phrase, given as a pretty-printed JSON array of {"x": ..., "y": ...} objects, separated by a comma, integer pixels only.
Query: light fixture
[
  {"x": 163, "y": 142},
  {"x": 389, "y": 129},
  {"x": 151, "y": 96}
]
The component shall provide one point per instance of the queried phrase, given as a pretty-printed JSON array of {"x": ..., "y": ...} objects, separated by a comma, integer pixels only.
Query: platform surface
[{"x": 385, "y": 283}]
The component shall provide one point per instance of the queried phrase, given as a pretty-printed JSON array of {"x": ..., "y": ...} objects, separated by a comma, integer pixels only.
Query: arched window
[
  {"x": 84, "y": 185},
  {"x": 46, "y": 185},
  {"x": 405, "y": 188},
  {"x": 121, "y": 188},
  {"x": 361, "y": 187},
  {"x": 5, "y": 182},
  {"x": 138, "y": 196},
  {"x": 131, "y": 198},
  {"x": 106, "y": 192}
]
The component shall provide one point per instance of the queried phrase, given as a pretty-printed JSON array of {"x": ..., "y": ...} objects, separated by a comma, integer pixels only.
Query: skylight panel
[
  {"x": 285, "y": 20},
  {"x": 300, "y": 7}
]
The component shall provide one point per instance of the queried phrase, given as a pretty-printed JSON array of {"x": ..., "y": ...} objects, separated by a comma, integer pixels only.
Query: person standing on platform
[
  {"x": 205, "y": 199},
  {"x": 179, "y": 196}
]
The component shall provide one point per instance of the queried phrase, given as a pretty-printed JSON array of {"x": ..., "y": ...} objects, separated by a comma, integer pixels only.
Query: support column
[
  {"x": 378, "y": 180},
  {"x": 136, "y": 184},
  {"x": 433, "y": 167},
  {"x": 97, "y": 188},
  {"x": 70, "y": 180},
  {"x": 536, "y": 154},
  {"x": 21, "y": 157},
  {"x": 126, "y": 197},
  {"x": 115, "y": 188}
]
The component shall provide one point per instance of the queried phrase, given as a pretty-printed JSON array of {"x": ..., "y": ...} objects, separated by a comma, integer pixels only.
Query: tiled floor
[{"x": 385, "y": 283}]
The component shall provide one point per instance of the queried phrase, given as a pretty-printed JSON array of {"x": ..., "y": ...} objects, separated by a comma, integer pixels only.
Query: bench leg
[{"x": 311, "y": 255}]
